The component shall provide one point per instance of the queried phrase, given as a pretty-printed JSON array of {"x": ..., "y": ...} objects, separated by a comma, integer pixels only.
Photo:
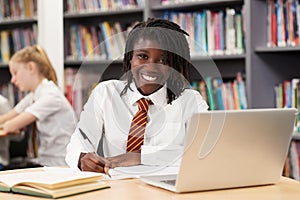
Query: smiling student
[{"x": 136, "y": 119}]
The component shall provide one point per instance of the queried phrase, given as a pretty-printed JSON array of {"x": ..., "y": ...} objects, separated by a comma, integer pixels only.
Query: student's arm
[
  {"x": 124, "y": 160},
  {"x": 11, "y": 114},
  {"x": 80, "y": 150},
  {"x": 18, "y": 122}
]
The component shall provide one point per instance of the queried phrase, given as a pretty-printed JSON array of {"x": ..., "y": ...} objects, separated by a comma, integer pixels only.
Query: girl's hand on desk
[
  {"x": 94, "y": 163},
  {"x": 4, "y": 133},
  {"x": 125, "y": 160}
]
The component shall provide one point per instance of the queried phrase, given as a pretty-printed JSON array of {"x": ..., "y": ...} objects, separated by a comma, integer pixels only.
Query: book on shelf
[
  {"x": 294, "y": 162},
  {"x": 50, "y": 182}
]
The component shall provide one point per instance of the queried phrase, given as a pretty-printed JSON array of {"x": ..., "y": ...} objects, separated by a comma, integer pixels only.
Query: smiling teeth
[{"x": 149, "y": 78}]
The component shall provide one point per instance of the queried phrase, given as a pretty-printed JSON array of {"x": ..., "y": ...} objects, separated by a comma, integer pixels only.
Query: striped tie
[{"x": 137, "y": 128}]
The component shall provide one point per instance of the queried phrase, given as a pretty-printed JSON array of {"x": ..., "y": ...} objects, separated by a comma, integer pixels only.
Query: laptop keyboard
[{"x": 169, "y": 182}]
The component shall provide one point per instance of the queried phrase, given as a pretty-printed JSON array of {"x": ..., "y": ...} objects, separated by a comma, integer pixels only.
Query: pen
[{"x": 85, "y": 137}]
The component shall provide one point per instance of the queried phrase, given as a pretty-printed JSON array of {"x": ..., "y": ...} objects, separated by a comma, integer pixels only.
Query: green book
[
  {"x": 210, "y": 93},
  {"x": 50, "y": 182}
]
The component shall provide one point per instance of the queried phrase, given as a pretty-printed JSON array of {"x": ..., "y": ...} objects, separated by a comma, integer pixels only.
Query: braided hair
[{"x": 176, "y": 52}]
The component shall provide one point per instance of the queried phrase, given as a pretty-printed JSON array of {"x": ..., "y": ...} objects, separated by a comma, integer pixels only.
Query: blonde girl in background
[{"x": 45, "y": 105}]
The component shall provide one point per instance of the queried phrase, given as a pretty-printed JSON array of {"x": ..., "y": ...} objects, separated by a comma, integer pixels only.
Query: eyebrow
[{"x": 142, "y": 50}]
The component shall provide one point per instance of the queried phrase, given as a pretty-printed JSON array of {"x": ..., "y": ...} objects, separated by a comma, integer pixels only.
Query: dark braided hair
[{"x": 176, "y": 52}]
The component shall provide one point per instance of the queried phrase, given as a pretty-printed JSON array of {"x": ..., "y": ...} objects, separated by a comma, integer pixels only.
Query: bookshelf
[
  {"x": 18, "y": 20},
  {"x": 269, "y": 66}
]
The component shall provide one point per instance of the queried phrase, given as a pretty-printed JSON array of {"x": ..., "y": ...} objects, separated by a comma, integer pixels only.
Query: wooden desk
[{"x": 133, "y": 189}]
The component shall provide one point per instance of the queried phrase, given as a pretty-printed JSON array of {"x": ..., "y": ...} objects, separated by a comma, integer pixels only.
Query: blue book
[
  {"x": 222, "y": 34},
  {"x": 78, "y": 44},
  {"x": 219, "y": 94}
]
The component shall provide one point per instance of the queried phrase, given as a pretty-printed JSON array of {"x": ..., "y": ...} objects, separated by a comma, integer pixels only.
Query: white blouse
[
  {"x": 108, "y": 115},
  {"x": 55, "y": 121}
]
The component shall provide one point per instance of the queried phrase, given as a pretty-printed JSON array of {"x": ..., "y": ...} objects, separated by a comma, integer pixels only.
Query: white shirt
[
  {"x": 107, "y": 114},
  {"x": 4, "y": 141},
  {"x": 55, "y": 121}
]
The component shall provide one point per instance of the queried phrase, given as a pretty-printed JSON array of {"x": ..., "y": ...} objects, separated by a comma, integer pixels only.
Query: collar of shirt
[{"x": 158, "y": 98}]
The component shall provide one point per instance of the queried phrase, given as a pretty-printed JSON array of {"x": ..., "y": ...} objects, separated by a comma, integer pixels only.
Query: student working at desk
[
  {"x": 45, "y": 105},
  {"x": 142, "y": 118}
]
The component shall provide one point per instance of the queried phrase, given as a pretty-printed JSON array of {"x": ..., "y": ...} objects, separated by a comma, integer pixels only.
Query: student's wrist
[{"x": 79, "y": 160}]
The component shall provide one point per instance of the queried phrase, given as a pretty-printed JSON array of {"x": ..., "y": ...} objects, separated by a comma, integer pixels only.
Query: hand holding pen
[{"x": 92, "y": 161}]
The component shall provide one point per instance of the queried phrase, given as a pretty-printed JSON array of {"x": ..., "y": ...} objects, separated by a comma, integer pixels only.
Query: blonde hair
[{"x": 39, "y": 56}]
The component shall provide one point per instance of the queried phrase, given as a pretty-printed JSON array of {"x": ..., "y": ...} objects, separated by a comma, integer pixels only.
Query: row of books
[
  {"x": 77, "y": 6},
  {"x": 223, "y": 95},
  {"x": 17, "y": 9},
  {"x": 78, "y": 87},
  {"x": 16, "y": 39},
  {"x": 103, "y": 41},
  {"x": 287, "y": 95},
  {"x": 292, "y": 163},
  {"x": 218, "y": 32},
  {"x": 283, "y": 23},
  {"x": 215, "y": 33}
]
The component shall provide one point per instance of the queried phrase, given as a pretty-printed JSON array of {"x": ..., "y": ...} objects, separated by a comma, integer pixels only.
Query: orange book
[{"x": 235, "y": 95}]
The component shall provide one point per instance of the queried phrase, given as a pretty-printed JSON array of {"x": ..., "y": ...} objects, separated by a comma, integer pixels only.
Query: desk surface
[{"x": 133, "y": 189}]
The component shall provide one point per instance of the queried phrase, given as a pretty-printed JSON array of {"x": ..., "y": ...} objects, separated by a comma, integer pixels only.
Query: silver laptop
[{"x": 229, "y": 149}]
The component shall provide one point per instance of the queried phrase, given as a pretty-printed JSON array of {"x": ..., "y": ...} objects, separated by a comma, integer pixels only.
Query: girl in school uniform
[
  {"x": 44, "y": 105},
  {"x": 156, "y": 67}
]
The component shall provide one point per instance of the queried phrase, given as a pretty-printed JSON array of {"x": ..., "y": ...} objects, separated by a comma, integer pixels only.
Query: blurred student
[
  {"x": 45, "y": 106},
  {"x": 156, "y": 66},
  {"x": 4, "y": 141}
]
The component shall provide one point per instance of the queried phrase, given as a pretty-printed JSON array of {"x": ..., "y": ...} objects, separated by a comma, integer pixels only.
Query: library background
[{"x": 244, "y": 52}]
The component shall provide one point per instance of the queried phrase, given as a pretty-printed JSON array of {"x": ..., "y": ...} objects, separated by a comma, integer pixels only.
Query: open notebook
[{"x": 228, "y": 149}]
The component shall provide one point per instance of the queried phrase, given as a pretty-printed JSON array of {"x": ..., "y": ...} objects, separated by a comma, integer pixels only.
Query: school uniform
[
  {"x": 55, "y": 121},
  {"x": 108, "y": 115}
]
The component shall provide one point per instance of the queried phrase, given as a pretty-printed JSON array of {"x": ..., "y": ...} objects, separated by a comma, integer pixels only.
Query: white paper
[{"x": 141, "y": 170}]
